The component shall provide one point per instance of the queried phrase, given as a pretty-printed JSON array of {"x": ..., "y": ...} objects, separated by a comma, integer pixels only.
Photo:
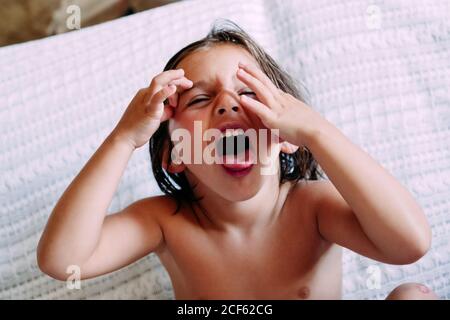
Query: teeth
[{"x": 232, "y": 132}]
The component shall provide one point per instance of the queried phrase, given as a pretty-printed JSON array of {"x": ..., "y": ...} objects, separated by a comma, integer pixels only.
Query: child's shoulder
[
  {"x": 310, "y": 189},
  {"x": 322, "y": 201},
  {"x": 162, "y": 209},
  {"x": 320, "y": 192},
  {"x": 161, "y": 205},
  {"x": 307, "y": 194}
]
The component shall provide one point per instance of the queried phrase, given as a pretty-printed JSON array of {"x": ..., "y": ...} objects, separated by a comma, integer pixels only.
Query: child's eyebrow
[
  {"x": 202, "y": 84},
  {"x": 199, "y": 84}
]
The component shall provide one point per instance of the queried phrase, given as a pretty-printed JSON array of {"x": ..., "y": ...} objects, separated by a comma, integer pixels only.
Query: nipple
[{"x": 303, "y": 293}]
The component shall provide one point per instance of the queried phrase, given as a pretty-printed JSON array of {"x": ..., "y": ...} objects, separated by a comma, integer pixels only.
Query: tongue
[{"x": 241, "y": 161}]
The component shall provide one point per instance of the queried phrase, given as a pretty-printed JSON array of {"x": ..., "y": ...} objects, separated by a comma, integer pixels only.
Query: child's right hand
[{"x": 147, "y": 110}]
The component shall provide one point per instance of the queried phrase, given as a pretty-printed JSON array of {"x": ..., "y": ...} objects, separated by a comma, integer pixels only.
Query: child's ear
[
  {"x": 287, "y": 147},
  {"x": 168, "y": 164}
]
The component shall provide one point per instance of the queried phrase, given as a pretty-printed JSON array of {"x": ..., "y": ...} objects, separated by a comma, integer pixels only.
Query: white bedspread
[{"x": 379, "y": 70}]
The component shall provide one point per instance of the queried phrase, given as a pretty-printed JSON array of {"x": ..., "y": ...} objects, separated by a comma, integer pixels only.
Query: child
[{"x": 226, "y": 230}]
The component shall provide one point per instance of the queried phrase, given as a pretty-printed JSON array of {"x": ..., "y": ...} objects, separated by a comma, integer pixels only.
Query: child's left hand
[{"x": 295, "y": 120}]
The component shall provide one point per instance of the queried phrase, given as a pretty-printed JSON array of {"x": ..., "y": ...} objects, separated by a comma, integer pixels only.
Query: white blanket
[{"x": 379, "y": 70}]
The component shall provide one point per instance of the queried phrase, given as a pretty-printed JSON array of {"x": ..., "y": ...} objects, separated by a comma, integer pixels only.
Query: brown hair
[{"x": 295, "y": 166}]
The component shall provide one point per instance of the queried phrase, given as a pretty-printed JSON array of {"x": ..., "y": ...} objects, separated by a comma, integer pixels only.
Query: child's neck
[{"x": 245, "y": 215}]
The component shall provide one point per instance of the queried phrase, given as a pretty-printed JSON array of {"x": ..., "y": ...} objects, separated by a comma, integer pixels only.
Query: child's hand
[
  {"x": 277, "y": 109},
  {"x": 147, "y": 110}
]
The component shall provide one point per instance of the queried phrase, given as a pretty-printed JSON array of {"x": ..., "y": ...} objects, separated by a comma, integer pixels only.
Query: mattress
[{"x": 378, "y": 70}]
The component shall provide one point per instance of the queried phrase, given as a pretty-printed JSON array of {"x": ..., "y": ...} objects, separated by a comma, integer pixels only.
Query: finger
[
  {"x": 261, "y": 110},
  {"x": 164, "y": 78},
  {"x": 162, "y": 94},
  {"x": 182, "y": 83},
  {"x": 260, "y": 89},
  {"x": 167, "y": 113},
  {"x": 172, "y": 100},
  {"x": 260, "y": 75}
]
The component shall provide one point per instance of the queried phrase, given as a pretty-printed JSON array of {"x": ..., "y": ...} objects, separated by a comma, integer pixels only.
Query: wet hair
[{"x": 295, "y": 166}]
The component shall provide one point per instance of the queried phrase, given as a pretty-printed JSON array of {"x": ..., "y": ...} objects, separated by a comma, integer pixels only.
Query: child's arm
[
  {"x": 365, "y": 208},
  {"x": 77, "y": 232},
  {"x": 375, "y": 216}
]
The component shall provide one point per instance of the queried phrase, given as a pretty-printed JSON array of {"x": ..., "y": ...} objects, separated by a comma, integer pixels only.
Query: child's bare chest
[{"x": 287, "y": 260}]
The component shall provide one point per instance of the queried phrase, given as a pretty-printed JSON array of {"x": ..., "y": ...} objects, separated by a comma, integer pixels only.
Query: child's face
[{"x": 218, "y": 104}]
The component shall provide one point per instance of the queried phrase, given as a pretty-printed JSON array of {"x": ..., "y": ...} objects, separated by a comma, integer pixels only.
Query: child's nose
[{"x": 230, "y": 109}]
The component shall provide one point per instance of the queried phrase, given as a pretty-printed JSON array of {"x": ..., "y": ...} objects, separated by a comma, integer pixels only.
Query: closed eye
[
  {"x": 203, "y": 99},
  {"x": 197, "y": 101},
  {"x": 251, "y": 95}
]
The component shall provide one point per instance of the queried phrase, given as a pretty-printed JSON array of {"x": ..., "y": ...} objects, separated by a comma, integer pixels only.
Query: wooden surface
[{"x": 24, "y": 20}]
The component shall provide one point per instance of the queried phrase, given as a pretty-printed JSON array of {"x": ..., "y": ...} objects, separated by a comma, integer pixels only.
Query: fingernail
[{"x": 242, "y": 64}]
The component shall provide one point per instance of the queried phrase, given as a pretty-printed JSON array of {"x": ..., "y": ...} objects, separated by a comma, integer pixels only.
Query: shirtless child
[{"x": 227, "y": 231}]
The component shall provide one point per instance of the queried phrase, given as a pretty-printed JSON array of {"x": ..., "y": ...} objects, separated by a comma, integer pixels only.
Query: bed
[{"x": 378, "y": 70}]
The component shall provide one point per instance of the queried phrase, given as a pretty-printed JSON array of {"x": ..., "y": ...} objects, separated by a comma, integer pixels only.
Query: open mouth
[
  {"x": 235, "y": 149},
  {"x": 233, "y": 142}
]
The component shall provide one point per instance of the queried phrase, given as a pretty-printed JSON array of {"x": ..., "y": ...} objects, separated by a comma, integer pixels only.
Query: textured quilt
[{"x": 378, "y": 70}]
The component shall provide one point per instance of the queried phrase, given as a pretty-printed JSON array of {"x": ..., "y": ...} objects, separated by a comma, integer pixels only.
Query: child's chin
[{"x": 238, "y": 195}]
